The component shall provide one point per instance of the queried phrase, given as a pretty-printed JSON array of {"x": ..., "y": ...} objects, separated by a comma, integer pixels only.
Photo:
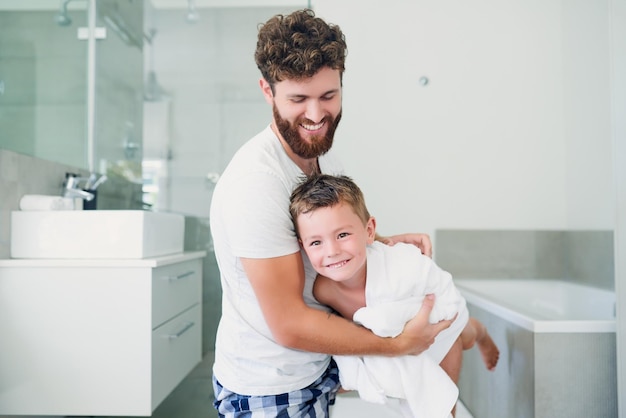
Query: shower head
[
  {"x": 192, "y": 15},
  {"x": 62, "y": 18}
]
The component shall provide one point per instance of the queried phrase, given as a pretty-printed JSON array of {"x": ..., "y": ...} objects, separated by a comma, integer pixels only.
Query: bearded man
[{"x": 274, "y": 341}]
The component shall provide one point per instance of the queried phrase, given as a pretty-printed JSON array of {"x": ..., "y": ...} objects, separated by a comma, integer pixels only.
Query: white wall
[
  {"x": 513, "y": 129},
  {"x": 618, "y": 80}
]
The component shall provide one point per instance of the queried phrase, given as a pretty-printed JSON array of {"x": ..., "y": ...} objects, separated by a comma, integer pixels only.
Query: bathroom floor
[{"x": 193, "y": 397}]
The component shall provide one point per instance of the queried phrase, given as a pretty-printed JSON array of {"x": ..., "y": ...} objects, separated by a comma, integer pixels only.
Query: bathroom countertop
[{"x": 139, "y": 262}]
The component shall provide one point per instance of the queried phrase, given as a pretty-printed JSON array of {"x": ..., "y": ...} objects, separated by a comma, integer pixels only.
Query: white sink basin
[{"x": 95, "y": 234}]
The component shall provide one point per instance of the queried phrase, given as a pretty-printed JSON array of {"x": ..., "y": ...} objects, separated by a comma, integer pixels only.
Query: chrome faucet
[
  {"x": 78, "y": 193},
  {"x": 71, "y": 188}
]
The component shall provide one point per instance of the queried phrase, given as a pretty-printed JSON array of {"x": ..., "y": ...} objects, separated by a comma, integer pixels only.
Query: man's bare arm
[{"x": 278, "y": 284}]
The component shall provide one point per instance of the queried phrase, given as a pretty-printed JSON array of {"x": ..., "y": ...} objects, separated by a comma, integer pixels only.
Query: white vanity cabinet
[{"x": 97, "y": 337}]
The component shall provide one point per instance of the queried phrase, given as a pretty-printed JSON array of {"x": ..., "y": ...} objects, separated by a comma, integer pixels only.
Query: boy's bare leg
[
  {"x": 475, "y": 332},
  {"x": 451, "y": 363}
]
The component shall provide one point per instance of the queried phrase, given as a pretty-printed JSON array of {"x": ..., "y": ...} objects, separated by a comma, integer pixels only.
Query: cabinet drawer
[
  {"x": 176, "y": 350},
  {"x": 175, "y": 287}
]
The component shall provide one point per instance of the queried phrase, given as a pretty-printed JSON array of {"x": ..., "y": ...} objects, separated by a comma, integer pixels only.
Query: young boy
[{"x": 381, "y": 287}]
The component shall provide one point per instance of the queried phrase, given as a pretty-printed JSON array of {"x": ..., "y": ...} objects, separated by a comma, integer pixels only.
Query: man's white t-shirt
[{"x": 250, "y": 218}]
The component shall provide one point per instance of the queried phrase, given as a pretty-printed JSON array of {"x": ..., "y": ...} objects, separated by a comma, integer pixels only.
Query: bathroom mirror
[
  {"x": 43, "y": 81},
  {"x": 48, "y": 71}
]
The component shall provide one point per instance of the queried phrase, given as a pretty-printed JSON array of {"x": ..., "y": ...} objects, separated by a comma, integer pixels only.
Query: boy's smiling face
[{"x": 335, "y": 240}]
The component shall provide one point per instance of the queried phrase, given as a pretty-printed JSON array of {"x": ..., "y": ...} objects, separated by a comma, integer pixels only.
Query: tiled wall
[{"x": 584, "y": 257}]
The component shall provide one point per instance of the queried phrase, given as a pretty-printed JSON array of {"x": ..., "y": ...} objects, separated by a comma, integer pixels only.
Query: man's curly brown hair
[{"x": 297, "y": 46}]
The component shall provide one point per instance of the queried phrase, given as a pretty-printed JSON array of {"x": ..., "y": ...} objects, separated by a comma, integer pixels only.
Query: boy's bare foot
[{"x": 488, "y": 350}]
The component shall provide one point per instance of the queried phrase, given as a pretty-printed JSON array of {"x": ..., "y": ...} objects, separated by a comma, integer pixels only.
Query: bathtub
[
  {"x": 543, "y": 305},
  {"x": 557, "y": 349}
]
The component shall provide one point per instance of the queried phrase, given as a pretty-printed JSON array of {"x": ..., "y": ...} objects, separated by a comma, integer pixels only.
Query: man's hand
[
  {"x": 421, "y": 241},
  {"x": 419, "y": 333}
]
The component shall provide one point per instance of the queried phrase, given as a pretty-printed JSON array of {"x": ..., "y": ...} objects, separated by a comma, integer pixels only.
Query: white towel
[
  {"x": 44, "y": 202},
  {"x": 417, "y": 381},
  {"x": 397, "y": 279}
]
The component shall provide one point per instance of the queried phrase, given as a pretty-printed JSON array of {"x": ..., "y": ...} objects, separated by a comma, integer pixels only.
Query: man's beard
[{"x": 313, "y": 147}]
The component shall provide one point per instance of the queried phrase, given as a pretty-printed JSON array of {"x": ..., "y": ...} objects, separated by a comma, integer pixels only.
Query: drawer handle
[
  {"x": 183, "y": 330},
  {"x": 180, "y": 276}
]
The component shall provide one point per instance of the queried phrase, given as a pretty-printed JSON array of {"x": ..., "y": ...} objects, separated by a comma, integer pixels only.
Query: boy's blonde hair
[{"x": 324, "y": 190}]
